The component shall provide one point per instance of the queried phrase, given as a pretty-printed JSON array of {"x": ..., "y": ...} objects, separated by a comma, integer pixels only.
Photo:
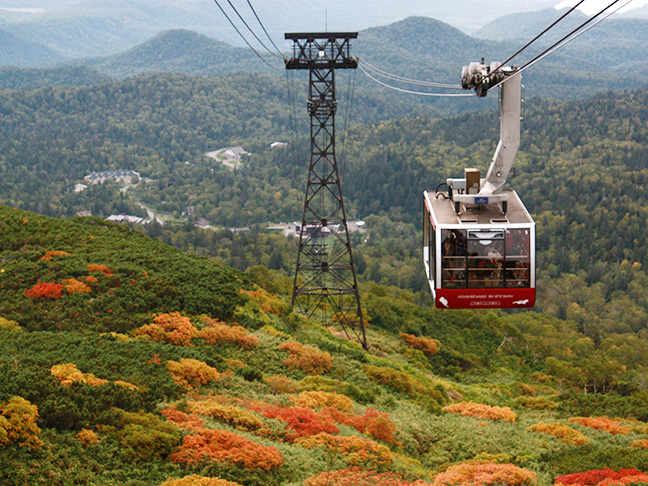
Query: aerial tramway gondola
[{"x": 479, "y": 240}]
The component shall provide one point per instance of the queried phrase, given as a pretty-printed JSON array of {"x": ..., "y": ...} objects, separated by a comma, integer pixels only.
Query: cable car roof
[{"x": 442, "y": 210}]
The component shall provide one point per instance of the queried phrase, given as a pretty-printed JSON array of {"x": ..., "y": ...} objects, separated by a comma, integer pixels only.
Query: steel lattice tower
[{"x": 325, "y": 275}]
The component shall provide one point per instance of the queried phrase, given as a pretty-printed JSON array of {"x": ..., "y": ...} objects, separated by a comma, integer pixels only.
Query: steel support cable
[
  {"x": 242, "y": 36},
  {"x": 440, "y": 95},
  {"x": 417, "y": 82},
  {"x": 539, "y": 35},
  {"x": 574, "y": 34},
  {"x": 264, "y": 29},
  {"x": 251, "y": 31}
]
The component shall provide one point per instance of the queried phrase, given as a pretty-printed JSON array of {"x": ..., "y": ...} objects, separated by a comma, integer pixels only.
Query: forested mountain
[
  {"x": 18, "y": 51},
  {"x": 181, "y": 51},
  {"x": 23, "y": 78},
  {"x": 124, "y": 361}
]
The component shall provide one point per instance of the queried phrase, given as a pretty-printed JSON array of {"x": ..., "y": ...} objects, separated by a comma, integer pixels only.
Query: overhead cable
[
  {"x": 419, "y": 93},
  {"x": 264, "y": 29},
  {"x": 250, "y": 29},
  {"x": 539, "y": 35},
  {"x": 242, "y": 36},
  {"x": 416, "y": 82},
  {"x": 577, "y": 32}
]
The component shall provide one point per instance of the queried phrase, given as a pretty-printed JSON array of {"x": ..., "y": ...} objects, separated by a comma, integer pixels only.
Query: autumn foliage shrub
[
  {"x": 302, "y": 421},
  {"x": 195, "y": 480},
  {"x": 182, "y": 419},
  {"x": 429, "y": 346},
  {"x": 45, "y": 290},
  {"x": 601, "y": 423},
  {"x": 87, "y": 437},
  {"x": 192, "y": 373},
  {"x": 49, "y": 254},
  {"x": 235, "y": 416},
  {"x": 470, "y": 473},
  {"x": 306, "y": 359},
  {"x": 322, "y": 399},
  {"x": 563, "y": 432},
  {"x": 355, "y": 476},
  {"x": 356, "y": 451},
  {"x": 216, "y": 332},
  {"x": 100, "y": 268},
  {"x": 170, "y": 328},
  {"x": 641, "y": 443},
  {"x": 282, "y": 384},
  {"x": 18, "y": 418},
  {"x": 74, "y": 286},
  {"x": 602, "y": 477},
  {"x": 266, "y": 302},
  {"x": 68, "y": 373},
  {"x": 373, "y": 423},
  {"x": 226, "y": 447},
  {"x": 481, "y": 410}
]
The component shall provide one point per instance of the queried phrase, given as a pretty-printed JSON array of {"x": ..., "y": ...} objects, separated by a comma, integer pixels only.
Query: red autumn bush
[
  {"x": 226, "y": 447},
  {"x": 354, "y": 476},
  {"x": 45, "y": 290},
  {"x": 308, "y": 360},
  {"x": 301, "y": 421},
  {"x": 602, "y": 477},
  {"x": 356, "y": 451},
  {"x": 183, "y": 420},
  {"x": 469, "y": 473},
  {"x": 216, "y": 332},
  {"x": 375, "y": 424},
  {"x": 481, "y": 410},
  {"x": 429, "y": 346},
  {"x": 561, "y": 431},
  {"x": 601, "y": 423}
]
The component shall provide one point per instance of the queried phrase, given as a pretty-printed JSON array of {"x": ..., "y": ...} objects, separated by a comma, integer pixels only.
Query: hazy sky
[{"x": 593, "y": 6}]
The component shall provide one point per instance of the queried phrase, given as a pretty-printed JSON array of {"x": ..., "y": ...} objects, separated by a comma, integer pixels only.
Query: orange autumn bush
[
  {"x": 68, "y": 373},
  {"x": 182, "y": 419},
  {"x": 235, "y": 416},
  {"x": 221, "y": 446},
  {"x": 563, "y": 432},
  {"x": 355, "y": 476},
  {"x": 49, "y": 254},
  {"x": 307, "y": 359},
  {"x": 282, "y": 384},
  {"x": 601, "y": 423},
  {"x": 171, "y": 328},
  {"x": 192, "y": 373},
  {"x": 87, "y": 438},
  {"x": 216, "y": 332},
  {"x": 100, "y": 268},
  {"x": 356, "y": 451},
  {"x": 482, "y": 410},
  {"x": 322, "y": 399},
  {"x": 74, "y": 286},
  {"x": 641, "y": 443},
  {"x": 195, "y": 480},
  {"x": 266, "y": 302},
  {"x": 429, "y": 346},
  {"x": 45, "y": 290},
  {"x": 473, "y": 473}
]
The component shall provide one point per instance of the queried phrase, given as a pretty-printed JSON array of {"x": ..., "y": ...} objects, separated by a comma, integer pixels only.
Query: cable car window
[
  {"x": 486, "y": 251},
  {"x": 429, "y": 245},
  {"x": 454, "y": 248},
  {"x": 518, "y": 244}
]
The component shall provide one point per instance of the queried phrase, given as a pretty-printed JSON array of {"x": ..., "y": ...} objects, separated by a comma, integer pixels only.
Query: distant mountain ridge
[{"x": 18, "y": 51}]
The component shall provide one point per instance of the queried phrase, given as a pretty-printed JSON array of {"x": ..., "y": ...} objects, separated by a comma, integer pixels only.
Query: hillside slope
[{"x": 204, "y": 374}]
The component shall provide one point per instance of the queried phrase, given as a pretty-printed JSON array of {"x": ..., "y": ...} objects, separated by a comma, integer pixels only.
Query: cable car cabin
[{"x": 479, "y": 257}]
